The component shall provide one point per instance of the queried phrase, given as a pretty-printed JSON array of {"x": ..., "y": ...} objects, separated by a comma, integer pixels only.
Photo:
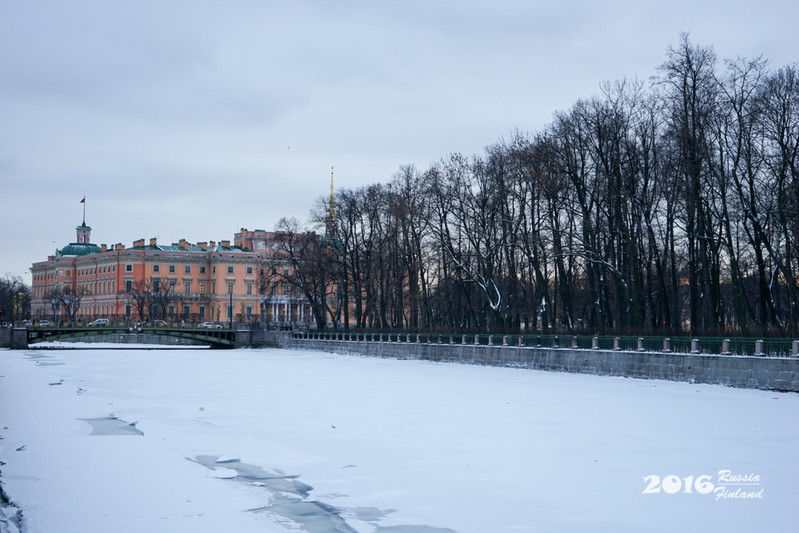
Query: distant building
[
  {"x": 207, "y": 281},
  {"x": 281, "y": 302}
]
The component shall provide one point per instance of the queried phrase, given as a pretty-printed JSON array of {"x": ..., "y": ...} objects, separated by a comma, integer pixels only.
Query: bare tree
[{"x": 312, "y": 269}]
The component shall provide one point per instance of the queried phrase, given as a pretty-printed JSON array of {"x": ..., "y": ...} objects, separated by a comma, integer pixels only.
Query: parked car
[
  {"x": 160, "y": 323},
  {"x": 27, "y": 323},
  {"x": 211, "y": 325},
  {"x": 100, "y": 322},
  {"x": 44, "y": 322}
]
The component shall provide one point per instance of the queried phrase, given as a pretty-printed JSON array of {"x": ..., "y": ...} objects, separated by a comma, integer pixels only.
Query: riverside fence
[
  {"x": 771, "y": 364},
  {"x": 704, "y": 345}
]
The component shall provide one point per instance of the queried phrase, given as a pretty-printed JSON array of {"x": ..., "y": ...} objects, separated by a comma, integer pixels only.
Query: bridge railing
[{"x": 215, "y": 336}]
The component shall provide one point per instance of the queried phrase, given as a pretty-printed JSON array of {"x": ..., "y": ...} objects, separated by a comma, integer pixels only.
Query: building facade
[{"x": 186, "y": 282}]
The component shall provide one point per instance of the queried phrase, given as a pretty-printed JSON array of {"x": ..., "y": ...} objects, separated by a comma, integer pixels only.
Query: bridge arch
[{"x": 215, "y": 338}]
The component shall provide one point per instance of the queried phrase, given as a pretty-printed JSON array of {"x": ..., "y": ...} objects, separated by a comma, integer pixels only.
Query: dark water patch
[
  {"x": 43, "y": 360},
  {"x": 312, "y": 516},
  {"x": 413, "y": 529},
  {"x": 370, "y": 514},
  {"x": 111, "y": 426},
  {"x": 289, "y": 499},
  {"x": 273, "y": 481}
]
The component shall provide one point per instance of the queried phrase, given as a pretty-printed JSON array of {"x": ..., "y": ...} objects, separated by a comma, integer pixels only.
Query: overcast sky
[{"x": 191, "y": 118}]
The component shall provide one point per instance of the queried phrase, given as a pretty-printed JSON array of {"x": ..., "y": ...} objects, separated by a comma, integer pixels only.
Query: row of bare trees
[
  {"x": 15, "y": 297},
  {"x": 667, "y": 206}
]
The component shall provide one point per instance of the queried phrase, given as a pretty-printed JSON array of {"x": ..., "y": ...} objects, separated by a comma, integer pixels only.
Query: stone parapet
[{"x": 771, "y": 373}]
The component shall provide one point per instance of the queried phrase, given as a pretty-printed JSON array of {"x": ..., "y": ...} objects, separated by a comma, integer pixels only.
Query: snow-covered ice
[{"x": 276, "y": 440}]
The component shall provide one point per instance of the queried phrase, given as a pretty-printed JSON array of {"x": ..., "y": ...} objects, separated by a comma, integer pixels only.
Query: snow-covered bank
[
  {"x": 274, "y": 440},
  {"x": 10, "y": 515}
]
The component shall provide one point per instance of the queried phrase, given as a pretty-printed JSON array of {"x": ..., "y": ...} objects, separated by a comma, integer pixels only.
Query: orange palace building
[{"x": 207, "y": 281}]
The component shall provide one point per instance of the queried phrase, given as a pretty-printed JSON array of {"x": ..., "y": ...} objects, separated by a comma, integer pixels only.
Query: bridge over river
[{"x": 222, "y": 337}]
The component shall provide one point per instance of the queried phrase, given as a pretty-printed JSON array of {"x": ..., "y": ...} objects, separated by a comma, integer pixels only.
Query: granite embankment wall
[
  {"x": 756, "y": 372},
  {"x": 16, "y": 338},
  {"x": 771, "y": 373}
]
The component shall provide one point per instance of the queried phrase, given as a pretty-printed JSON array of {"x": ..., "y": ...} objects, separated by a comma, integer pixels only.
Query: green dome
[{"x": 79, "y": 249}]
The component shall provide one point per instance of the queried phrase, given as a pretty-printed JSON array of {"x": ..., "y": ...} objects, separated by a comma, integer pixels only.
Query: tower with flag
[{"x": 84, "y": 231}]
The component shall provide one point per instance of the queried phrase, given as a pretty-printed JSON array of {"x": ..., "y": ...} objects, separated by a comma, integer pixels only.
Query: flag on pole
[{"x": 83, "y": 201}]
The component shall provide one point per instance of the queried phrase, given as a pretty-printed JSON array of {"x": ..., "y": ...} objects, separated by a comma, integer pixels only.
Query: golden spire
[{"x": 331, "y": 214}]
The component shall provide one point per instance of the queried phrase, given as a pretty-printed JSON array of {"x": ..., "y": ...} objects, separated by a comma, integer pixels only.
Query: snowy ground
[{"x": 274, "y": 441}]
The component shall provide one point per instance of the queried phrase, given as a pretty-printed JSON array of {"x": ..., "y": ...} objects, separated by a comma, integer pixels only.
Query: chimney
[
  {"x": 103, "y": 248},
  {"x": 154, "y": 241},
  {"x": 119, "y": 246},
  {"x": 138, "y": 244},
  {"x": 212, "y": 243},
  {"x": 203, "y": 246},
  {"x": 226, "y": 244},
  {"x": 184, "y": 244}
]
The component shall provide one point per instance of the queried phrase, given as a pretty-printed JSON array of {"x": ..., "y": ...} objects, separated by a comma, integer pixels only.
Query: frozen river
[{"x": 288, "y": 441}]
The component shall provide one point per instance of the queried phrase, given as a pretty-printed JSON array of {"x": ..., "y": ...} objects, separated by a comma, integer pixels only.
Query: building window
[
  {"x": 128, "y": 310},
  {"x": 187, "y": 269},
  {"x": 186, "y": 311},
  {"x": 249, "y": 312},
  {"x": 202, "y": 270},
  {"x": 128, "y": 285},
  {"x": 187, "y": 287},
  {"x": 171, "y": 269},
  {"x": 202, "y": 287},
  {"x": 201, "y": 311},
  {"x": 230, "y": 287},
  {"x": 249, "y": 288},
  {"x": 156, "y": 283},
  {"x": 171, "y": 286},
  {"x": 128, "y": 268},
  {"x": 230, "y": 270},
  {"x": 156, "y": 268},
  {"x": 249, "y": 270}
]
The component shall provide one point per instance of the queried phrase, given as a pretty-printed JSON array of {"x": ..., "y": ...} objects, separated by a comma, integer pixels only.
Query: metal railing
[{"x": 772, "y": 347}]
